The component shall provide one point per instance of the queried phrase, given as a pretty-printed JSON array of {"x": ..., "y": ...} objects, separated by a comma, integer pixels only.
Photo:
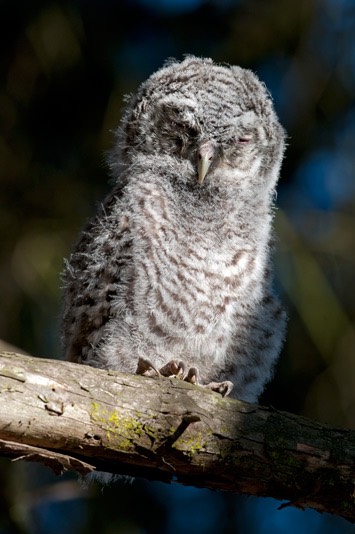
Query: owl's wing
[{"x": 93, "y": 277}]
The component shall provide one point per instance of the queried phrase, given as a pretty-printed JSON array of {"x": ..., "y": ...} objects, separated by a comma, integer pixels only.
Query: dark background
[{"x": 65, "y": 67}]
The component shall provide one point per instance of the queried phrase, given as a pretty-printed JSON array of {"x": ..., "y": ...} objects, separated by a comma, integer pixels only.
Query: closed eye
[
  {"x": 191, "y": 132},
  {"x": 244, "y": 139}
]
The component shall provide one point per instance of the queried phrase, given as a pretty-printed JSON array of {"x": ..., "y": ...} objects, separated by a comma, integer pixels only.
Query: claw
[
  {"x": 173, "y": 368},
  {"x": 192, "y": 376},
  {"x": 223, "y": 388},
  {"x": 146, "y": 368}
]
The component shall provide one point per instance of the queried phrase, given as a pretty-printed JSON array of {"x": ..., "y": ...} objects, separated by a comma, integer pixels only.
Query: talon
[
  {"x": 192, "y": 376},
  {"x": 173, "y": 368},
  {"x": 223, "y": 388},
  {"x": 146, "y": 368}
]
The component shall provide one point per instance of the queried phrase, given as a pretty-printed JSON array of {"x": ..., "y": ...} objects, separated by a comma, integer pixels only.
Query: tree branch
[{"x": 72, "y": 417}]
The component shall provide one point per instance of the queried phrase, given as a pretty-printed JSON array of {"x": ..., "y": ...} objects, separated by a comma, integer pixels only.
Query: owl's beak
[{"x": 205, "y": 157}]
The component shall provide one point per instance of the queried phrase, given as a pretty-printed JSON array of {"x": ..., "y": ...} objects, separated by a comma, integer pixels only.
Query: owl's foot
[
  {"x": 173, "y": 368},
  {"x": 223, "y": 388},
  {"x": 177, "y": 368}
]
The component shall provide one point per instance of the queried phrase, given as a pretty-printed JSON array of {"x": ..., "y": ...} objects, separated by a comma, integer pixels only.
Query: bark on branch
[{"x": 73, "y": 417}]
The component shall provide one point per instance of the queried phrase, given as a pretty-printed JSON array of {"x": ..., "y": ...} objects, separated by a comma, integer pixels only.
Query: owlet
[{"x": 173, "y": 274}]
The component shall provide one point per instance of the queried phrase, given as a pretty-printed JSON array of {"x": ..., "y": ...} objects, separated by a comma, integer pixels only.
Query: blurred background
[{"x": 65, "y": 66}]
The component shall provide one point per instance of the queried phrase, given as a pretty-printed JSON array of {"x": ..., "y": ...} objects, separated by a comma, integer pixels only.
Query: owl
[{"x": 173, "y": 275}]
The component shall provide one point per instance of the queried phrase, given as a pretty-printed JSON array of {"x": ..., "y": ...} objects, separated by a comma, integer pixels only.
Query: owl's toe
[
  {"x": 192, "y": 376},
  {"x": 146, "y": 368},
  {"x": 223, "y": 388},
  {"x": 173, "y": 368}
]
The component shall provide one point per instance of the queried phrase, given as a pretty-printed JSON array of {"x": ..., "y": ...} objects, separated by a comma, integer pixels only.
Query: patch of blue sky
[
  {"x": 144, "y": 53},
  {"x": 284, "y": 85},
  {"x": 195, "y": 510},
  {"x": 265, "y": 517},
  {"x": 326, "y": 177}
]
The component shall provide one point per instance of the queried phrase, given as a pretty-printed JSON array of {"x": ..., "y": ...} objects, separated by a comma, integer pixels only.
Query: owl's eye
[
  {"x": 184, "y": 135},
  {"x": 184, "y": 129},
  {"x": 240, "y": 140},
  {"x": 191, "y": 132},
  {"x": 244, "y": 139}
]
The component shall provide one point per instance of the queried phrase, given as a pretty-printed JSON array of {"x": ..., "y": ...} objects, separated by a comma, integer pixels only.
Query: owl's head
[{"x": 217, "y": 120}]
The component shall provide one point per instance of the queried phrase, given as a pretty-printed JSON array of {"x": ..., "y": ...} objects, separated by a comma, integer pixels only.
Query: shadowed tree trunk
[{"x": 74, "y": 417}]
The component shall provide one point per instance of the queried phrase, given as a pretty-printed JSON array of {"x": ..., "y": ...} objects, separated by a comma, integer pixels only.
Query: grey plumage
[{"x": 176, "y": 263}]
